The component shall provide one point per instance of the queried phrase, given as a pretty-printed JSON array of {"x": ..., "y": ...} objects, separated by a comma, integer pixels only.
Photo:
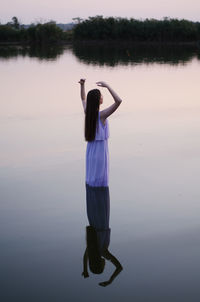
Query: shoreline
[{"x": 103, "y": 42}]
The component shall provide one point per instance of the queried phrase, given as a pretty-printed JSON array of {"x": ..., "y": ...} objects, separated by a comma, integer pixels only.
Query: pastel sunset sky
[{"x": 63, "y": 11}]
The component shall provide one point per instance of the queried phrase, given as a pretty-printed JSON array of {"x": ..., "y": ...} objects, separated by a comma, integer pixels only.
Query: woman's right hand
[{"x": 82, "y": 81}]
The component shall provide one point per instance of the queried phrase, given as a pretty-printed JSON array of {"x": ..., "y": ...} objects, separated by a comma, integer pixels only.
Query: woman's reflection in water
[{"x": 98, "y": 234}]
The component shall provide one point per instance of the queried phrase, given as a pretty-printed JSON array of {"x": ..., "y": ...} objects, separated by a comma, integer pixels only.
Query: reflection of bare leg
[
  {"x": 85, "y": 264},
  {"x": 98, "y": 207},
  {"x": 116, "y": 263},
  {"x": 98, "y": 233}
]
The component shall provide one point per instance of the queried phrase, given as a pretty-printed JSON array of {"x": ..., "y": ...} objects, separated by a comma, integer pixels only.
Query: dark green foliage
[
  {"x": 8, "y": 33},
  {"x": 44, "y": 33},
  {"x": 104, "y": 29},
  {"x": 149, "y": 30},
  {"x": 35, "y": 34}
]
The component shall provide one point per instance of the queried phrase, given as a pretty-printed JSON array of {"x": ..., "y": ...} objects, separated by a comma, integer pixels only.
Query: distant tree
[
  {"x": 16, "y": 24},
  {"x": 77, "y": 20}
]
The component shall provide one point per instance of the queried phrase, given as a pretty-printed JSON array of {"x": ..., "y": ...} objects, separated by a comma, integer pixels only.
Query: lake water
[{"x": 154, "y": 174}]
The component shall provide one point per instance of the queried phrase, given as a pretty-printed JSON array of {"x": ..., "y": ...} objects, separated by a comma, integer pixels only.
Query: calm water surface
[{"x": 154, "y": 175}]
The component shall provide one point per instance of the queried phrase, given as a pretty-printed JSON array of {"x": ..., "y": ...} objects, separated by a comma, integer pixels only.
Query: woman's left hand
[
  {"x": 102, "y": 84},
  {"x": 105, "y": 283},
  {"x": 82, "y": 81}
]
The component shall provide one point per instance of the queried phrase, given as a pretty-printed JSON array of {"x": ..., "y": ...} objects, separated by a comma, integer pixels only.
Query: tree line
[
  {"x": 99, "y": 28},
  {"x": 148, "y": 30},
  {"x": 46, "y": 33}
]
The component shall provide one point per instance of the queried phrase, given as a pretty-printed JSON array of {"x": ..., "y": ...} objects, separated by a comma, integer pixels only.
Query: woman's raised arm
[
  {"x": 117, "y": 101},
  {"x": 117, "y": 264},
  {"x": 82, "y": 91}
]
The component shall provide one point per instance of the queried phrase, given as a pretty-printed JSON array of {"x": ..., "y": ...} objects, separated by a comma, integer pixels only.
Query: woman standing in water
[
  {"x": 97, "y": 133},
  {"x": 97, "y": 190}
]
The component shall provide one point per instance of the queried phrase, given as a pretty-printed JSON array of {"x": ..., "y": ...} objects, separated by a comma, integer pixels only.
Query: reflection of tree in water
[
  {"x": 98, "y": 234},
  {"x": 42, "y": 52},
  {"x": 112, "y": 54}
]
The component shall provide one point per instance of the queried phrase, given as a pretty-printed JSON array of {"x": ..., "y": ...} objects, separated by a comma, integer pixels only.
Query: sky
[{"x": 62, "y": 11}]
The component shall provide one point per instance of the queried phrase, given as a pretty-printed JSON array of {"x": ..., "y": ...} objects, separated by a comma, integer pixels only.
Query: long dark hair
[
  {"x": 96, "y": 262},
  {"x": 91, "y": 115}
]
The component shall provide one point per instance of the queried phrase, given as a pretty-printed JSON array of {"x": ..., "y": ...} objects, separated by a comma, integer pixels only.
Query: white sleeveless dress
[{"x": 97, "y": 157}]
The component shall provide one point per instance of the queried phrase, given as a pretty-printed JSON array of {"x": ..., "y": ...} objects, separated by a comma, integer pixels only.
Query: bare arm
[
  {"x": 117, "y": 101},
  {"x": 82, "y": 92},
  {"x": 116, "y": 263}
]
